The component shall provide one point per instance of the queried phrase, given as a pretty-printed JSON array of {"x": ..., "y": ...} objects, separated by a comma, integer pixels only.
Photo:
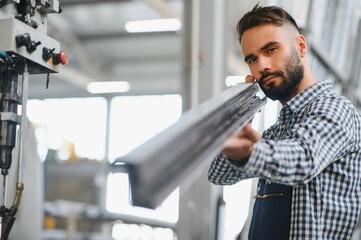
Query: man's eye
[
  {"x": 251, "y": 60},
  {"x": 271, "y": 50}
]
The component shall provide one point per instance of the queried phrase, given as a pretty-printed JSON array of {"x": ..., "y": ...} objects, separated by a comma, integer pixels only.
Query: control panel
[{"x": 43, "y": 54}]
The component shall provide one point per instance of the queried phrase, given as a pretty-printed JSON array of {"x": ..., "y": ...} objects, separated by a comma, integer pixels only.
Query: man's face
[
  {"x": 291, "y": 78},
  {"x": 273, "y": 59}
]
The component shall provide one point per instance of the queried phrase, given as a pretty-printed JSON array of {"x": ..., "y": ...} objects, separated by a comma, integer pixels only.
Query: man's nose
[{"x": 264, "y": 64}]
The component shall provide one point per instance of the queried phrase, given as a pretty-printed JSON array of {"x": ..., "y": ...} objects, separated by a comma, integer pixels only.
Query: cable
[{"x": 3, "y": 54}]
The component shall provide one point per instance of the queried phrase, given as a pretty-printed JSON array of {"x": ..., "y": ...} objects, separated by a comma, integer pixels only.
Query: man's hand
[
  {"x": 240, "y": 145},
  {"x": 250, "y": 79}
]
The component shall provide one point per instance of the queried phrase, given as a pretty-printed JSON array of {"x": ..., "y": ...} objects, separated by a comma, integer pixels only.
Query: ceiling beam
[
  {"x": 163, "y": 8},
  {"x": 80, "y": 54}
]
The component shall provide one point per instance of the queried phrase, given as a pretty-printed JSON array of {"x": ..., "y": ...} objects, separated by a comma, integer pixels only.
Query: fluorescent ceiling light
[
  {"x": 108, "y": 87},
  {"x": 157, "y": 25}
]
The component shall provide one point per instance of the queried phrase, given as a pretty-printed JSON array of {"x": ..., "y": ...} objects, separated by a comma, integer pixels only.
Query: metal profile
[{"x": 171, "y": 158}]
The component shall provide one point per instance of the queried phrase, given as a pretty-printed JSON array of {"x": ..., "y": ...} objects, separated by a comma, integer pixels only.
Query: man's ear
[{"x": 302, "y": 45}]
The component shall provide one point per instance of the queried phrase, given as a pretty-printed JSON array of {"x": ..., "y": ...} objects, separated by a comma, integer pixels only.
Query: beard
[{"x": 292, "y": 76}]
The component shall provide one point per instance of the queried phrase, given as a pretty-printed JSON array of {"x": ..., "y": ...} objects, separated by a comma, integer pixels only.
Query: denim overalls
[{"x": 271, "y": 212}]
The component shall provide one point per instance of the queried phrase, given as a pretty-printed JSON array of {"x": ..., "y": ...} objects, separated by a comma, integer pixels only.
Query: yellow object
[{"x": 49, "y": 222}]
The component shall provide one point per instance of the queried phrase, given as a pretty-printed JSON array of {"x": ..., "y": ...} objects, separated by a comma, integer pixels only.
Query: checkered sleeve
[
  {"x": 323, "y": 136},
  {"x": 223, "y": 172}
]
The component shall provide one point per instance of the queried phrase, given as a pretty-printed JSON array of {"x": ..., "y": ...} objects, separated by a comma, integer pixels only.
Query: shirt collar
[{"x": 308, "y": 94}]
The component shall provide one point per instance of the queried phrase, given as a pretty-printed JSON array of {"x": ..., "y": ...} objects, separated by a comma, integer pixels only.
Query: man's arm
[
  {"x": 226, "y": 168},
  {"x": 326, "y": 135},
  {"x": 223, "y": 172}
]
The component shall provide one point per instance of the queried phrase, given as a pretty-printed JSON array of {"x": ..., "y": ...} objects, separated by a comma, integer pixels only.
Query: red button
[
  {"x": 60, "y": 57},
  {"x": 63, "y": 57}
]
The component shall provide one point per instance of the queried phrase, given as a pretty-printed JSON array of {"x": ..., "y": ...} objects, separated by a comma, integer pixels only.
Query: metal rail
[{"x": 177, "y": 154}]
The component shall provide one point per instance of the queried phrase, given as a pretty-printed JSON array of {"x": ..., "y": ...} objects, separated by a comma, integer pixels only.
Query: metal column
[{"x": 204, "y": 75}]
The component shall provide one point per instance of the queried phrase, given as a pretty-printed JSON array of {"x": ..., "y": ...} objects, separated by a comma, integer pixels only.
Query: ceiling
[
  {"x": 92, "y": 33},
  {"x": 100, "y": 49}
]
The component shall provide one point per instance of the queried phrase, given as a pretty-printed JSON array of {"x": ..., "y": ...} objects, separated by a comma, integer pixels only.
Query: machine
[{"x": 25, "y": 48}]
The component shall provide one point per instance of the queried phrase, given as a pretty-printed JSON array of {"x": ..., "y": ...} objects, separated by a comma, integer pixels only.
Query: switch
[
  {"x": 23, "y": 40},
  {"x": 60, "y": 57},
  {"x": 47, "y": 53},
  {"x": 33, "y": 46}
]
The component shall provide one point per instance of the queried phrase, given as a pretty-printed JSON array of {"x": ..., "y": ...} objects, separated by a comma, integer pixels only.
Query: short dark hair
[{"x": 264, "y": 15}]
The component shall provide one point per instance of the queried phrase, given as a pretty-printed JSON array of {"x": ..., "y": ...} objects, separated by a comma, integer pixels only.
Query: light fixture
[
  {"x": 108, "y": 87},
  {"x": 155, "y": 25}
]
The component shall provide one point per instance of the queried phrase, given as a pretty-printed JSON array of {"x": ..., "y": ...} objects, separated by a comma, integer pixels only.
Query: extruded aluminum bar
[{"x": 170, "y": 158}]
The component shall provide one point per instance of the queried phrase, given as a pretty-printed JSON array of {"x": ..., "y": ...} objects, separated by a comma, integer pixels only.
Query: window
[
  {"x": 74, "y": 128},
  {"x": 135, "y": 119}
]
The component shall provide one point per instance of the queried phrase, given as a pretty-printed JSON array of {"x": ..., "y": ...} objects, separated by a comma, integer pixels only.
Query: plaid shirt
[{"x": 315, "y": 146}]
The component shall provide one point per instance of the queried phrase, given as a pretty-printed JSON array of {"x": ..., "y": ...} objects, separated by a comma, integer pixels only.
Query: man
[{"x": 308, "y": 163}]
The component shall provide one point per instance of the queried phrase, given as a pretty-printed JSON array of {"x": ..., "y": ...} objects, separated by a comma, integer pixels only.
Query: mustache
[{"x": 267, "y": 74}]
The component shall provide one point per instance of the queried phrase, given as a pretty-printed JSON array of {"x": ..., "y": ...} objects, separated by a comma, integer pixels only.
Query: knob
[
  {"x": 47, "y": 53},
  {"x": 33, "y": 46},
  {"x": 23, "y": 40},
  {"x": 60, "y": 57}
]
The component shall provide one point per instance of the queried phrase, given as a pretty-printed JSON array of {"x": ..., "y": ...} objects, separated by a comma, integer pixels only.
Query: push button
[{"x": 60, "y": 57}]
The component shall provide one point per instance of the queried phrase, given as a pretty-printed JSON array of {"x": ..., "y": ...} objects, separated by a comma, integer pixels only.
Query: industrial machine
[{"x": 25, "y": 48}]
